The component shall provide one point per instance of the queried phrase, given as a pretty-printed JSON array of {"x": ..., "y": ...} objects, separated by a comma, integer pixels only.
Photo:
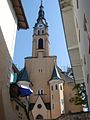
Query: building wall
[
  {"x": 72, "y": 39},
  {"x": 8, "y": 24},
  {"x": 68, "y": 94},
  {"x": 5, "y": 62},
  {"x": 19, "y": 110},
  {"x": 40, "y": 71},
  {"x": 6, "y": 112},
  {"x": 40, "y": 111},
  {"x": 57, "y": 98},
  {"x": 81, "y": 22},
  {"x": 82, "y": 17},
  {"x": 40, "y": 81},
  {"x": 43, "y": 52},
  {"x": 8, "y": 27}
]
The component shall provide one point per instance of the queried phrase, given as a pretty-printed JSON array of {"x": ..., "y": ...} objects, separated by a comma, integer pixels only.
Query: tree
[{"x": 80, "y": 96}]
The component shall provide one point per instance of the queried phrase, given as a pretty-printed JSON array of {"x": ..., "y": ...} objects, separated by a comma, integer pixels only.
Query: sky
[{"x": 23, "y": 46}]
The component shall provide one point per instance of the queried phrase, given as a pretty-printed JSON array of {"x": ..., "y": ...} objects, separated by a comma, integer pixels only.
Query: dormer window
[{"x": 40, "y": 43}]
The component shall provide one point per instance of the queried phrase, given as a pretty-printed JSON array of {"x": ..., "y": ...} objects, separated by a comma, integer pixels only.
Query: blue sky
[{"x": 23, "y": 47}]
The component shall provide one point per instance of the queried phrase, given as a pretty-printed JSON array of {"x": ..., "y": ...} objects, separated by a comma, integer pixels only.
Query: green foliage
[{"x": 80, "y": 97}]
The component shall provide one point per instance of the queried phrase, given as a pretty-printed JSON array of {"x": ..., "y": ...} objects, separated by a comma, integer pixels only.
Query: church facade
[{"x": 52, "y": 89}]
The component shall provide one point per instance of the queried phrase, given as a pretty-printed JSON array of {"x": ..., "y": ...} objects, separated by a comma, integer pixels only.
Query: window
[
  {"x": 20, "y": 115},
  {"x": 40, "y": 43},
  {"x": 39, "y": 117},
  {"x": 85, "y": 23},
  {"x": 38, "y": 32},
  {"x": 77, "y": 4},
  {"x": 87, "y": 78},
  {"x": 39, "y": 106},
  {"x": 17, "y": 107},
  {"x": 56, "y": 87},
  {"x": 79, "y": 35},
  {"x": 51, "y": 87},
  {"x": 38, "y": 92},
  {"x": 52, "y": 106},
  {"x": 41, "y": 92},
  {"x": 60, "y": 87},
  {"x": 84, "y": 60},
  {"x": 52, "y": 96},
  {"x": 89, "y": 46},
  {"x": 40, "y": 70},
  {"x": 42, "y": 31}
]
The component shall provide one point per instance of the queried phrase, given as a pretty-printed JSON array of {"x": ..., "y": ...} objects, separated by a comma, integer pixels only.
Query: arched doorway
[{"x": 39, "y": 117}]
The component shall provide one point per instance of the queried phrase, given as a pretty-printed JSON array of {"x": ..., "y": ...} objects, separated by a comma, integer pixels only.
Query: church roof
[
  {"x": 23, "y": 75},
  {"x": 40, "y": 101},
  {"x": 55, "y": 74},
  {"x": 48, "y": 106}
]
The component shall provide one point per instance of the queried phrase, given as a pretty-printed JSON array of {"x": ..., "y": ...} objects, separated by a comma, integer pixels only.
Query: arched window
[
  {"x": 39, "y": 117},
  {"x": 41, "y": 92},
  {"x": 56, "y": 86},
  {"x": 40, "y": 43},
  {"x": 38, "y": 92},
  {"x": 38, "y": 32},
  {"x": 42, "y": 31}
]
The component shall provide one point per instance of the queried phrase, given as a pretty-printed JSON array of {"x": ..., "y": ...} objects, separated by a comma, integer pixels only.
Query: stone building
[
  {"x": 12, "y": 18},
  {"x": 76, "y": 21},
  {"x": 52, "y": 89}
]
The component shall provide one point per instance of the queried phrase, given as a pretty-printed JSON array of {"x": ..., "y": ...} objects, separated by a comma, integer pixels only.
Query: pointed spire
[
  {"x": 41, "y": 15},
  {"x": 23, "y": 75},
  {"x": 41, "y": 12},
  {"x": 55, "y": 74}
]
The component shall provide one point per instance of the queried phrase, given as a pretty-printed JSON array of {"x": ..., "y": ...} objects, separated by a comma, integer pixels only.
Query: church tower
[
  {"x": 43, "y": 73},
  {"x": 46, "y": 79},
  {"x": 40, "y": 41}
]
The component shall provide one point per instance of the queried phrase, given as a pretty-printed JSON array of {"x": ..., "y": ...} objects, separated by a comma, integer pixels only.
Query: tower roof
[
  {"x": 23, "y": 75},
  {"x": 41, "y": 12},
  {"x": 55, "y": 74},
  {"x": 41, "y": 16}
]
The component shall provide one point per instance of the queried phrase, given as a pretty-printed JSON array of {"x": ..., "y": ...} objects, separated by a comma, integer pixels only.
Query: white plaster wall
[
  {"x": 8, "y": 24},
  {"x": 84, "y": 8},
  {"x": 72, "y": 41}
]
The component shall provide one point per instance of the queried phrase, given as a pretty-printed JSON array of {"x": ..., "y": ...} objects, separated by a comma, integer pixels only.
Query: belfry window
[
  {"x": 56, "y": 87},
  {"x": 40, "y": 43},
  {"x": 38, "y": 32},
  {"x": 42, "y": 31}
]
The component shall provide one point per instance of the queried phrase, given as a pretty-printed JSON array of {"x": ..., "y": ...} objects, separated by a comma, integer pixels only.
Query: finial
[{"x": 41, "y": 2}]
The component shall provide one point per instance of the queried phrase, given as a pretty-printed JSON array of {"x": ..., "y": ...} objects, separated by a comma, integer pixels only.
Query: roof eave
[{"x": 22, "y": 21}]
